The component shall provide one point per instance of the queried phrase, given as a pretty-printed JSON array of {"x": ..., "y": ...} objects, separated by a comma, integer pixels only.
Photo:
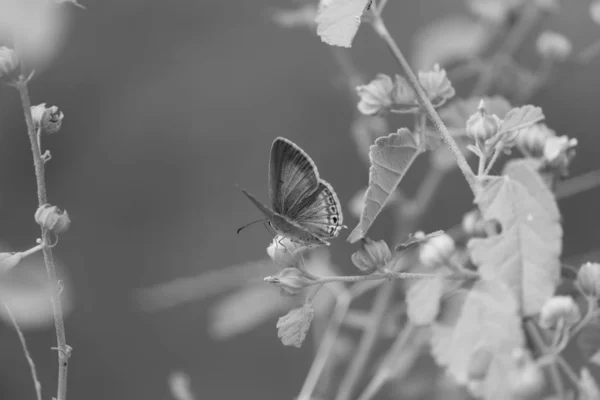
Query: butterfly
[{"x": 304, "y": 207}]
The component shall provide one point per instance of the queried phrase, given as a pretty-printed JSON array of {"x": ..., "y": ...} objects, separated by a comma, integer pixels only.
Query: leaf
[
  {"x": 245, "y": 309},
  {"x": 489, "y": 318},
  {"x": 596, "y": 358},
  {"x": 448, "y": 40},
  {"x": 526, "y": 255},
  {"x": 423, "y": 300},
  {"x": 589, "y": 389},
  {"x": 588, "y": 340},
  {"x": 391, "y": 156},
  {"x": 519, "y": 118},
  {"x": 338, "y": 20},
  {"x": 292, "y": 327},
  {"x": 457, "y": 112}
]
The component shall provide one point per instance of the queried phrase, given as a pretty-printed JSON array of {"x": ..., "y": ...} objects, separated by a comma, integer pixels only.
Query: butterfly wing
[
  {"x": 293, "y": 176},
  {"x": 338, "y": 20},
  {"x": 320, "y": 214}
]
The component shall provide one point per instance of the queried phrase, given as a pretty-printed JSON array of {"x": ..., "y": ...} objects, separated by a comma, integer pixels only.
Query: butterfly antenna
[{"x": 251, "y": 223}]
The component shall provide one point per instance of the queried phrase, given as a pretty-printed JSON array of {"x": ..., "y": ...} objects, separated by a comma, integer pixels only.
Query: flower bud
[
  {"x": 437, "y": 85},
  {"x": 372, "y": 255},
  {"x": 9, "y": 64},
  {"x": 51, "y": 217},
  {"x": 553, "y": 45},
  {"x": 48, "y": 119},
  {"x": 436, "y": 250},
  {"x": 376, "y": 96},
  {"x": 557, "y": 308},
  {"x": 403, "y": 94},
  {"x": 482, "y": 126},
  {"x": 532, "y": 140},
  {"x": 284, "y": 251},
  {"x": 588, "y": 278},
  {"x": 291, "y": 281},
  {"x": 9, "y": 261}
]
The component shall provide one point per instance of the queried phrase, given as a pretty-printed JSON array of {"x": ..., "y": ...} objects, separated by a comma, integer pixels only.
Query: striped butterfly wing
[{"x": 293, "y": 177}]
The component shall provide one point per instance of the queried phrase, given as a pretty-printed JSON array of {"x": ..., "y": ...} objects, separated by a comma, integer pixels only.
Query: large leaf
[
  {"x": 338, "y": 20},
  {"x": 391, "y": 156},
  {"x": 489, "y": 318},
  {"x": 423, "y": 300},
  {"x": 292, "y": 327},
  {"x": 526, "y": 255},
  {"x": 519, "y": 118}
]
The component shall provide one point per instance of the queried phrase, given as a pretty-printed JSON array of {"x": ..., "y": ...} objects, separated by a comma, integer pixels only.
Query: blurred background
[{"x": 168, "y": 106}]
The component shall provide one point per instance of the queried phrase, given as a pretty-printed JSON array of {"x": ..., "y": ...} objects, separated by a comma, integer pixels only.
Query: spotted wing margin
[
  {"x": 293, "y": 176},
  {"x": 320, "y": 214}
]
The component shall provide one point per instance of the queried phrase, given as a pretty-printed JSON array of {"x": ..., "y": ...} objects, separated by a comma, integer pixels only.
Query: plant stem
[
  {"x": 64, "y": 351},
  {"x": 368, "y": 340},
  {"x": 566, "y": 368},
  {"x": 495, "y": 156},
  {"x": 572, "y": 186},
  {"x": 374, "y": 277},
  {"x": 424, "y": 101},
  {"x": 36, "y": 382}
]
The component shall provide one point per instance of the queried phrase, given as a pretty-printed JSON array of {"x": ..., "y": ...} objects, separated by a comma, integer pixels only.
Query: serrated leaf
[
  {"x": 488, "y": 319},
  {"x": 519, "y": 118},
  {"x": 423, "y": 300},
  {"x": 245, "y": 309},
  {"x": 338, "y": 20},
  {"x": 391, "y": 156},
  {"x": 526, "y": 255},
  {"x": 458, "y": 111},
  {"x": 447, "y": 40},
  {"x": 292, "y": 327},
  {"x": 589, "y": 389},
  {"x": 588, "y": 340}
]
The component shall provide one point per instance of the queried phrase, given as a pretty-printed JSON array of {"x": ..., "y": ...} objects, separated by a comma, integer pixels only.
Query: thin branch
[
  {"x": 424, "y": 101},
  {"x": 36, "y": 382},
  {"x": 64, "y": 351},
  {"x": 572, "y": 186}
]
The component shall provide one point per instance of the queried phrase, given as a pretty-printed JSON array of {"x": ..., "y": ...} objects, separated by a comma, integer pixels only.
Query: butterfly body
[{"x": 304, "y": 207}]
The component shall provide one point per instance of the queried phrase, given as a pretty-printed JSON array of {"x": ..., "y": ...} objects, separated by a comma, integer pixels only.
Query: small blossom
[
  {"x": 292, "y": 327},
  {"x": 595, "y": 11},
  {"x": 53, "y": 218},
  {"x": 291, "y": 281},
  {"x": 532, "y": 140},
  {"x": 588, "y": 278},
  {"x": 284, "y": 251},
  {"x": 49, "y": 119},
  {"x": 437, "y": 85},
  {"x": 553, "y": 45},
  {"x": 372, "y": 255},
  {"x": 404, "y": 94},
  {"x": 558, "y": 151},
  {"x": 9, "y": 64},
  {"x": 482, "y": 126},
  {"x": 557, "y": 308},
  {"x": 376, "y": 96},
  {"x": 436, "y": 250},
  {"x": 526, "y": 379}
]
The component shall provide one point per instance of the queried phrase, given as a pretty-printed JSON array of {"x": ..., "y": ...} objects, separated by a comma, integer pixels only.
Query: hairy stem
[
  {"x": 368, "y": 340},
  {"x": 36, "y": 382},
  {"x": 64, "y": 351},
  {"x": 424, "y": 101}
]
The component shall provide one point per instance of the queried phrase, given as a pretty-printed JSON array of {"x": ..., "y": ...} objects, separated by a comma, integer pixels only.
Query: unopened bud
[
  {"x": 376, "y": 96},
  {"x": 372, "y": 255},
  {"x": 291, "y": 281},
  {"x": 284, "y": 251},
  {"x": 588, "y": 278},
  {"x": 482, "y": 126},
  {"x": 559, "y": 308},
  {"x": 532, "y": 140},
  {"x": 49, "y": 119},
  {"x": 436, "y": 250},
  {"x": 9, "y": 64},
  {"x": 554, "y": 45},
  {"x": 52, "y": 218}
]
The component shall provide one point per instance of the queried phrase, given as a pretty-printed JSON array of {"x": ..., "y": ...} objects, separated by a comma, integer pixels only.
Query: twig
[
  {"x": 572, "y": 186},
  {"x": 64, "y": 351},
  {"x": 368, "y": 340},
  {"x": 36, "y": 382},
  {"x": 566, "y": 368},
  {"x": 424, "y": 101}
]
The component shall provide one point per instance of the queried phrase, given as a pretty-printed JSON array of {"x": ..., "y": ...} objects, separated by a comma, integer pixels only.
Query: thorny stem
[
  {"x": 380, "y": 28},
  {"x": 64, "y": 351},
  {"x": 368, "y": 340},
  {"x": 36, "y": 382}
]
